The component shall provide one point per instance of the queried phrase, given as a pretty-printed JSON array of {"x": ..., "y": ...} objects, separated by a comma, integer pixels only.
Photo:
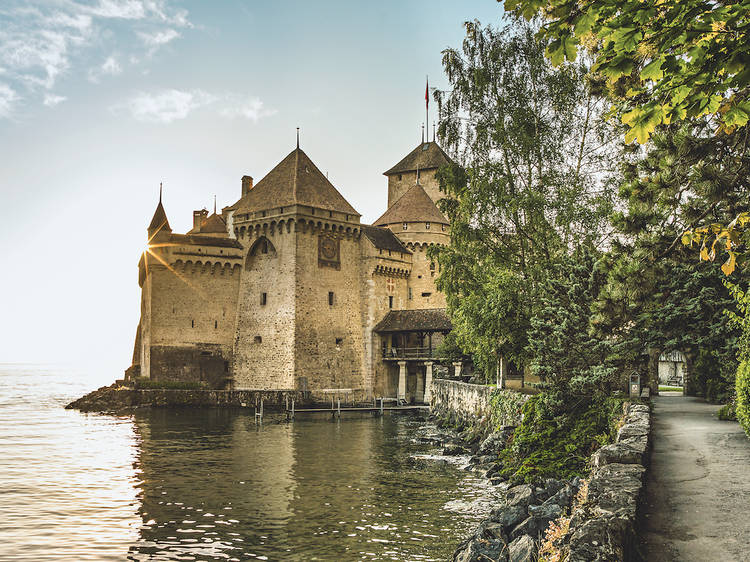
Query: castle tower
[
  {"x": 417, "y": 167},
  {"x": 298, "y": 325},
  {"x": 413, "y": 216}
]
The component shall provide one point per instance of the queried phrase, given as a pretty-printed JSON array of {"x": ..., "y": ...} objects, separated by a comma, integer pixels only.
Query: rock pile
[{"x": 512, "y": 531}]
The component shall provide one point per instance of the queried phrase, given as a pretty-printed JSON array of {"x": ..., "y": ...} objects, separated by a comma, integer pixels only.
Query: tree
[
  {"x": 565, "y": 352},
  {"x": 532, "y": 184},
  {"x": 664, "y": 61}
]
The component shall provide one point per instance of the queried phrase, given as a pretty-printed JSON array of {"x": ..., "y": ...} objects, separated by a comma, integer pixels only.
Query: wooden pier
[{"x": 336, "y": 409}]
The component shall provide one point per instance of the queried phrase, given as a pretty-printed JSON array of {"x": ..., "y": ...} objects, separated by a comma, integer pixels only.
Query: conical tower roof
[
  {"x": 413, "y": 206},
  {"x": 296, "y": 180},
  {"x": 427, "y": 156},
  {"x": 159, "y": 222}
]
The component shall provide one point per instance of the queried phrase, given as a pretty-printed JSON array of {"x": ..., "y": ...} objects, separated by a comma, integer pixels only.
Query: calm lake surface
[{"x": 212, "y": 485}]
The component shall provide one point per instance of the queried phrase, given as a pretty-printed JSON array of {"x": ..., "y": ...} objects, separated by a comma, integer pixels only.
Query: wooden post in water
[
  {"x": 339, "y": 408},
  {"x": 292, "y": 409}
]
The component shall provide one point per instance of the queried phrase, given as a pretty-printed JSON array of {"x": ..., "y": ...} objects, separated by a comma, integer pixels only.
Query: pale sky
[{"x": 100, "y": 100}]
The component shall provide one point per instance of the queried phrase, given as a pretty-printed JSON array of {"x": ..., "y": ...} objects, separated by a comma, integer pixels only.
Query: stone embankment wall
[
  {"x": 116, "y": 398},
  {"x": 467, "y": 403},
  {"x": 605, "y": 525}
]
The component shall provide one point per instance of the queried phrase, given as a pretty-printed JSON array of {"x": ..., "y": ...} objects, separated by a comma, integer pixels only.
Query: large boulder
[
  {"x": 481, "y": 550},
  {"x": 601, "y": 539},
  {"x": 496, "y": 441},
  {"x": 509, "y": 516},
  {"x": 522, "y": 495},
  {"x": 523, "y": 549}
]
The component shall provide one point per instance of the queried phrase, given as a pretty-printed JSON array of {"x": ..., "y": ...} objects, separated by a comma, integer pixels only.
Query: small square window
[
  {"x": 442, "y": 227},
  {"x": 427, "y": 226},
  {"x": 258, "y": 339},
  {"x": 330, "y": 298},
  {"x": 263, "y": 299},
  {"x": 339, "y": 341}
]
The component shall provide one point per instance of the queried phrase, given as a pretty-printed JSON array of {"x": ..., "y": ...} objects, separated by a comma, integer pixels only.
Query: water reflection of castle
[{"x": 286, "y": 289}]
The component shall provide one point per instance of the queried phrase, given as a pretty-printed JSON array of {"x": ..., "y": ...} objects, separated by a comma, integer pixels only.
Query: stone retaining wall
[
  {"x": 466, "y": 403},
  {"x": 605, "y": 526}
]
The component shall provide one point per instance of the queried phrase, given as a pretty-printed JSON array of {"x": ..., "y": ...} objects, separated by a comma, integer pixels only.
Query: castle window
[
  {"x": 427, "y": 226},
  {"x": 409, "y": 293},
  {"x": 263, "y": 299},
  {"x": 216, "y": 324},
  {"x": 330, "y": 214},
  {"x": 339, "y": 341},
  {"x": 330, "y": 298},
  {"x": 399, "y": 177},
  {"x": 442, "y": 227},
  {"x": 192, "y": 323},
  {"x": 406, "y": 225},
  {"x": 258, "y": 339},
  {"x": 390, "y": 302},
  {"x": 426, "y": 294},
  {"x": 263, "y": 214},
  {"x": 432, "y": 266}
]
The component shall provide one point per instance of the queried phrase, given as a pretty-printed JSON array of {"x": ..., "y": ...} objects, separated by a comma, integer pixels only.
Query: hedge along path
[{"x": 698, "y": 487}]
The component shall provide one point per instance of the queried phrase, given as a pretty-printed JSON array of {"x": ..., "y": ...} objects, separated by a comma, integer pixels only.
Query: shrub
[
  {"x": 727, "y": 412},
  {"x": 559, "y": 446},
  {"x": 742, "y": 387}
]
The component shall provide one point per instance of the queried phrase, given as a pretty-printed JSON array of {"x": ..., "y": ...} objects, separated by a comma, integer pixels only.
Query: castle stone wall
[
  {"x": 397, "y": 187},
  {"x": 328, "y": 339},
  {"x": 264, "y": 340}
]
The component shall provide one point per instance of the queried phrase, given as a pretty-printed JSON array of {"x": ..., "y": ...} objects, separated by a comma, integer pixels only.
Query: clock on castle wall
[{"x": 329, "y": 254}]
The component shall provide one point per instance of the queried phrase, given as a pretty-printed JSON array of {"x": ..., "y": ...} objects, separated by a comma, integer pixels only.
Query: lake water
[{"x": 212, "y": 485}]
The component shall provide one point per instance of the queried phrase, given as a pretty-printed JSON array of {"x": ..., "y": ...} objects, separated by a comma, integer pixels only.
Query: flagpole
[{"x": 427, "y": 105}]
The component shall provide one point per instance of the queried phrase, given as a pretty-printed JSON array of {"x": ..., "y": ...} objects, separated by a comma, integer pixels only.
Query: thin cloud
[
  {"x": 51, "y": 100},
  {"x": 166, "y": 106},
  {"x": 110, "y": 67},
  {"x": 249, "y": 108},
  {"x": 7, "y": 99},
  {"x": 42, "y": 40}
]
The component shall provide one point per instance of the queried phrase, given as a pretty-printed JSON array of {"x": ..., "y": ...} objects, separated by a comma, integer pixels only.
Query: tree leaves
[{"x": 688, "y": 58}]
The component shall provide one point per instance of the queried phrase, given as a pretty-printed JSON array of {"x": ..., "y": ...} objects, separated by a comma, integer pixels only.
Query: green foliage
[
  {"x": 147, "y": 383},
  {"x": 546, "y": 445},
  {"x": 742, "y": 389},
  {"x": 565, "y": 352},
  {"x": 505, "y": 407},
  {"x": 534, "y": 151},
  {"x": 727, "y": 412},
  {"x": 663, "y": 61}
]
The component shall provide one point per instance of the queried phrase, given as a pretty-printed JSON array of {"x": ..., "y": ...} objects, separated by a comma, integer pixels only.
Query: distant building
[{"x": 286, "y": 289}]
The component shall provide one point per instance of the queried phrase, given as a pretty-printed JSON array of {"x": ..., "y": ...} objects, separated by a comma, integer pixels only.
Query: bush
[
  {"x": 742, "y": 388},
  {"x": 727, "y": 412},
  {"x": 546, "y": 445}
]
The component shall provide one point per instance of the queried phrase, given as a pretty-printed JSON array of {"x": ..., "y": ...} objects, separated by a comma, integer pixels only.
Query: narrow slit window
[
  {"x": 390, "y": 302},
  {"x": 330, "y": 298},
  {"x": 192, "y": 323},
  {"x": 216, "y": 324},
  {"x": 263, "y": 299},
  {"x": 406, "y": 225},
  {"x": 427, "y": 226}
]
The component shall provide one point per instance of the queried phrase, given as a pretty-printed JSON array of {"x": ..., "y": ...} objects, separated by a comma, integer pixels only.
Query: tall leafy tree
[
  {"x": 664, "y": 61},
  {"x": 535, "y": 157}
]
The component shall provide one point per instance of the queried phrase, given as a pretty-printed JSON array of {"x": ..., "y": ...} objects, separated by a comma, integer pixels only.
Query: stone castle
[{"x": 288, "y": 290}]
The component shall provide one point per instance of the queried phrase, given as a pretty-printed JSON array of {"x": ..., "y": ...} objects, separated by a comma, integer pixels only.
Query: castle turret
[
  {"x": 417, "y": 167},
  {"x": 159, "y": 227}
]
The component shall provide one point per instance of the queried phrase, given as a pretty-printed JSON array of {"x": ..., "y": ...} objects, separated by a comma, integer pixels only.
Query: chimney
[
  {"x": 198, "y": 218},
  {"x": 247, "y": 184}
]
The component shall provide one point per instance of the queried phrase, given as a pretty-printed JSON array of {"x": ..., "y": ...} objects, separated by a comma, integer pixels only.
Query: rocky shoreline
[{"x": 592, "y": 519}]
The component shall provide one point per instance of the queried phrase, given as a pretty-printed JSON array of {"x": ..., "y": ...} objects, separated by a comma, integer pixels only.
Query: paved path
[{"x": 698, "y": 491}]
